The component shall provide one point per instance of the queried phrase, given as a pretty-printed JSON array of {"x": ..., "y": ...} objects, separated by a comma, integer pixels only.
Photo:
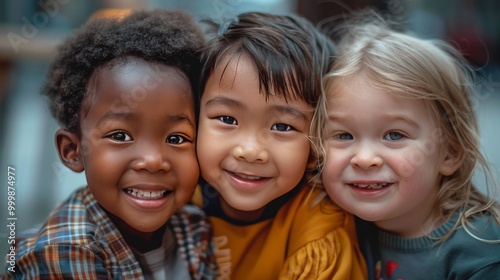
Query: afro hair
[{"x": 172, "y": 38}]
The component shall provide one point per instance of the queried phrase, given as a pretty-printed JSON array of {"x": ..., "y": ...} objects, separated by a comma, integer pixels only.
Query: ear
[
  {"x": 69, "y": 149},
  {"x": 452, "y": 161}
]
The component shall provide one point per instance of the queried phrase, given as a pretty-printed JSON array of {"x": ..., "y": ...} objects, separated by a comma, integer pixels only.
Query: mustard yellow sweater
[{"x": 308, "y": 238}]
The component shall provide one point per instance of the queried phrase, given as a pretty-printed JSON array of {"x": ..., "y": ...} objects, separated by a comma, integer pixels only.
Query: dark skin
[{"x": 139, "y": 158}]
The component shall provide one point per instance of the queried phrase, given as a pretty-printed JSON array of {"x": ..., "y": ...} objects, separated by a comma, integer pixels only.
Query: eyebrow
[
  {"x": 125, "y": 115},
  {"x": 113, "y": 116},
  {"x": 335, "y": 115},
  {"x": 398, "y": 117},
  {"x": 290, "y": 111},
  {"x": 181, "y": 118},
  {"x": 224, "y": 101},
  {"x": 404, "y": 118}
]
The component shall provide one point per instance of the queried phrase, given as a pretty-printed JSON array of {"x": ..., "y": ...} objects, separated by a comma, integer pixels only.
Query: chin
[{"x": 368, "y": 216}]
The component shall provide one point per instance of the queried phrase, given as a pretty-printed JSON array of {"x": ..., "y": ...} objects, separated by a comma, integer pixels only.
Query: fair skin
[
  {"x": 384, "y": 157},
  {"x": 245, "y": 142},
  {"x": 139, "y": 158}
]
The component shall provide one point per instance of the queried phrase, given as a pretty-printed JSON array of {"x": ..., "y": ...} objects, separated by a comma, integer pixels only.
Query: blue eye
[
  {"x": 228, "y": 120},
  {"x": 176, "y": 139},
  {"x": 393, "y": 136},
  {"x": 281, "y": 127},
  {"x": 120, "y": 137},
  {"x": 344, "y": 136}
]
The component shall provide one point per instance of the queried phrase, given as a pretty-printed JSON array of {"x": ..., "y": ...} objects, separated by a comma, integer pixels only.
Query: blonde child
[
  {"x": 261, "y": 81},
  {"x": 400, "y": 145}
]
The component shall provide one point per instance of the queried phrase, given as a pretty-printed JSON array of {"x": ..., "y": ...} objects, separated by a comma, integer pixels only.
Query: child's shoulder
[
  {"x": 191, "y": 213},
  {"x": 193, "y": 233},
  {"x": 315, "y": 201},
  {"x": 314, "y": 212},
  {"x": 472, "y": 251},
  {"x": 78, "y": 239},
  {"x": 74, "y": 221},
  {"x": 480, "y": 233},
  {"x": 190, "y": 220}
]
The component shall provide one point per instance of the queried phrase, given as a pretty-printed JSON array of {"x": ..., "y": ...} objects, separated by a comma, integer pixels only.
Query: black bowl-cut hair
[
  {"x": 171, "y": 38},
  {"x": 289, "y": 52}
]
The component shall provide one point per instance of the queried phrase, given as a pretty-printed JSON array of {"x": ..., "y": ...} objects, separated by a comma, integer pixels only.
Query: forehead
[
  {"x": 360, "y": 92},
  {"x": 135, "y": 71},
  {"x": 133, "y": 75},
  {"x": 231, "y": 64},
  {"x": 237, "y": 73},
  {"x": 134, "y": 83},
  {"x": 271, "y": 81}
]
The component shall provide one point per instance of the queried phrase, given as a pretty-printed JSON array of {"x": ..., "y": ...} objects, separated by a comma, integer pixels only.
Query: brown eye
[
  {"x": 120, "y": 137},
  {"x": 228, "y": 120},
  {"x": 175, "y": 139}
]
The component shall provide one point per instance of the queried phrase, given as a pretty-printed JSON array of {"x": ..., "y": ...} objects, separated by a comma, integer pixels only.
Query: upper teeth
[
  {"x": 146, "y": 195},
  {"x": 371, "y": 186},
  {"x": 248, "y": 177}
]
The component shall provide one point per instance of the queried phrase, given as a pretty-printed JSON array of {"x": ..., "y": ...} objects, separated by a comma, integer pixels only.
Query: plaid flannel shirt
[{"x": 79, "y": 241}]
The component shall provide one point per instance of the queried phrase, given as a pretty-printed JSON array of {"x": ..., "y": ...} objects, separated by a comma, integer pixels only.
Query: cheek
[
  {"x": 328, "y": 176},
  {"x": 193, "y": 171},
  {"x": 207, "y": 152},
  {"x": 333, "y": 159},
  {"x": 186, "y": 167},
  {"x": 103, "y": 166},
  {"x": 211, "y": 147},
  {"x": 410, "y": 164},
  {"x": 293, "y": 163},
  {"x": 333, "y": 166}
]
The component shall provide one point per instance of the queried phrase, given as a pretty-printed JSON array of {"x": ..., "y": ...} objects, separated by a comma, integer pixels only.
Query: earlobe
[
  {"x": 69, "y": 149},
  {"x": 452, "y": 161}
]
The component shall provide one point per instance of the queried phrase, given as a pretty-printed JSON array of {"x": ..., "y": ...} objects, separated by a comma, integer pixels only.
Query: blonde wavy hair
[{"x": 431, "y": 70}]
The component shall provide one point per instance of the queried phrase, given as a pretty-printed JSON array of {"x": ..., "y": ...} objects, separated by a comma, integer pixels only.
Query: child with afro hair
[{"x": 123, "y": 91}]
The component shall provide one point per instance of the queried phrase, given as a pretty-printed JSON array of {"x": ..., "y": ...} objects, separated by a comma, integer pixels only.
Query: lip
[
  {"x": 147, "y": 196},
  {"x": 247, "y": 181}
]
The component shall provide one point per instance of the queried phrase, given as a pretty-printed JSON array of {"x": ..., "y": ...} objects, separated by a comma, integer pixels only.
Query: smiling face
[
  {"x": 384, "y": 158},
  {"x": 138, "y": 140},
  {"x": 252, "y": 150}
]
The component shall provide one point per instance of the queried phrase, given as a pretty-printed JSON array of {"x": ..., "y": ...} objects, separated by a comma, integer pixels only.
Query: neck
[
  {"x": 136, "y": 239},
  {"x": 240, "y": 215},
  {"x": 143, "y": 243},
  {"x": 413, "y": 227}
]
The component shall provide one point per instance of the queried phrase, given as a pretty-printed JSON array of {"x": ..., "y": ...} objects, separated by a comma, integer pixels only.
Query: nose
[
  {"x": 366, "y": 157},
  {"x": 152, "y": 158},
  {"x": 251, "y": 149}
]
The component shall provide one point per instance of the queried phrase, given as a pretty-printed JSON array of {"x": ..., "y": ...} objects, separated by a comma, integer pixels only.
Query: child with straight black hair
[
  {"x": 261, "y": 82},
  {"x": 123, "y": 91}
]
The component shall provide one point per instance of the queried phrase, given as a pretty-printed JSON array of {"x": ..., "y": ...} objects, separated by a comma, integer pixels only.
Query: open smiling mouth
[
  {"x": 371, "y": 186},
  {"x": 147, "y": 194},
  {"x": 247, "y": 177}
]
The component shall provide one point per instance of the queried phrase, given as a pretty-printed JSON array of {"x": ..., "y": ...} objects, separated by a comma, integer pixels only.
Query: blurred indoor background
[{"x": 30, "y": 30}]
